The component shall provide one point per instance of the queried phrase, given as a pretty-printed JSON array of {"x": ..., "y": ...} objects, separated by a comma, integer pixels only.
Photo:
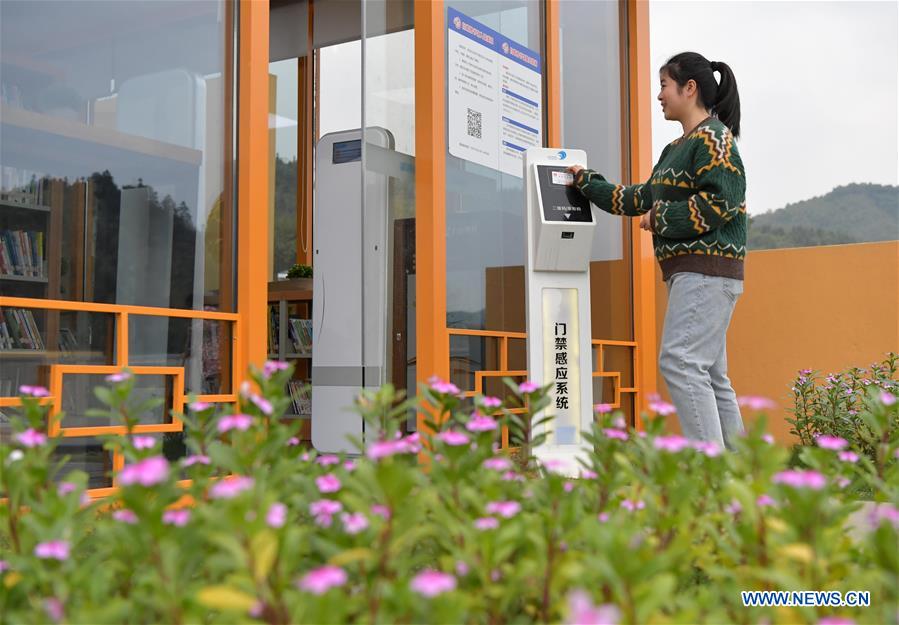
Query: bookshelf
[
  {"x": 30, "y": 223},
  {"x": 290, "y": 339}
]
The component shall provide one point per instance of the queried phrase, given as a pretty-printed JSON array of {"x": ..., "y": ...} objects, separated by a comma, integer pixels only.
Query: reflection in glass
[
  {"x": 88, "y": 455},
  {"x": 200, "y": 346},
  {"x": 114, "y": 138},
  {"x": 78, "y": 398},
  {"x": 485, "y": 249}
]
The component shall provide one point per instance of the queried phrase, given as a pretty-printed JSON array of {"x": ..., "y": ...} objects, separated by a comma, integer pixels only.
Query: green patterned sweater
[{"x": 696, "y": 201}]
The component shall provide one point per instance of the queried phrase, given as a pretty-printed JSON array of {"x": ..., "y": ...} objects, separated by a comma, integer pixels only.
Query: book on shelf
[
  {"x": 23, "y": 186},
  {"x": 300, "y": 331},
  {"x": 301, "y": 396},
  {"x": 22, "y": 253},
  {"x": 273, "y": 320},
  {"x": 18, "y": 330}
]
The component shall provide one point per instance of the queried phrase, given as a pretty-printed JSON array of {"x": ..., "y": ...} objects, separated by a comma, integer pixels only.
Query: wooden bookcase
[{"x": 291, "y": 299}]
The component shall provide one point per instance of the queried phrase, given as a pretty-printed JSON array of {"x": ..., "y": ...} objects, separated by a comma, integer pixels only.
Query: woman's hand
[
  {"x": 645, "y": 223},
  {"x": 574, "y": 169}
]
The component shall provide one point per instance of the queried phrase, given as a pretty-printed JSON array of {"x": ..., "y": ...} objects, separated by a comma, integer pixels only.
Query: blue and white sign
[{"x": 495, "y": 95}]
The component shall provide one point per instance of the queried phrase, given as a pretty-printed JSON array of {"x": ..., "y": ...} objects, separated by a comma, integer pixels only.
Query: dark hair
[{"x": 721, "y": 98}]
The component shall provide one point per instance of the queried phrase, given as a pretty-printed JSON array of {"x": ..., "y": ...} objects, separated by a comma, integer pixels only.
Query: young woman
[{"x": 694, "y": 204}]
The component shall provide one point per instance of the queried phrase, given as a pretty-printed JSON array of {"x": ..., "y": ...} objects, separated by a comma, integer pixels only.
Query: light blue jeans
[{"x": 693, "y": 355}]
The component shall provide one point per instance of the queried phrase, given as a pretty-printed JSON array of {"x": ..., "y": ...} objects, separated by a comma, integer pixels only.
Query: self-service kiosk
[
  {"x": 560, "y": 225},
  {"x": 349, "y": 314}
]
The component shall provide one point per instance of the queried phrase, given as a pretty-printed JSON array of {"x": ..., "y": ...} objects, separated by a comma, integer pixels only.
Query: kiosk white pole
[{"x": 560, "y": 225}]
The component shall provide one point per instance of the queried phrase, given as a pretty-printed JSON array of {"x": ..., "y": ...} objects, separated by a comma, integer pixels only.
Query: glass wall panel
[
  {"x": 115, "y": 130},
  {"x": 388, "y": 108},
  {"x": 485, "y": 249},
  {"x": 593, "y": 120}
]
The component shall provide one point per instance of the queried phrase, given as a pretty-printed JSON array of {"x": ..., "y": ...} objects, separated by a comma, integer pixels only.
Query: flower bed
[{"x": 654, "y": 529}]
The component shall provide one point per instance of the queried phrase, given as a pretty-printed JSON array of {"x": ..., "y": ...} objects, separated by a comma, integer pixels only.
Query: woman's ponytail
[
  {"x": 721, "y": 98},
  {"x": 727, "y": 100}
]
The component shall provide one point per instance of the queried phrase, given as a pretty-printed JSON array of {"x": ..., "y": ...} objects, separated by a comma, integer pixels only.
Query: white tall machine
[
  {"x": 560, "y": 224},
  {"x": 349, "y": 305}
]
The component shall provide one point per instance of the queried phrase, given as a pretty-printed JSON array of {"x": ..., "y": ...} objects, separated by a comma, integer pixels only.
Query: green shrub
[
  {"x": 835, "y": 406},
  {"x": 299, "y": 271},
  {"x": 655, "y": 529}
]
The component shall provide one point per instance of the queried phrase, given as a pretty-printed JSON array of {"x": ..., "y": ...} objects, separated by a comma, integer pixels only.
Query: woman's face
[{"x": 675, "y": 100}]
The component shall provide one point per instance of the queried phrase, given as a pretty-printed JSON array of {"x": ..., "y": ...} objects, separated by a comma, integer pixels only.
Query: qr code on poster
[{"x": 474, "y": 124}]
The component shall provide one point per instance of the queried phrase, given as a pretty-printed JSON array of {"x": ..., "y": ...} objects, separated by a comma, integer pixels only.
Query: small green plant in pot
[{"x": 299, "y": 271}]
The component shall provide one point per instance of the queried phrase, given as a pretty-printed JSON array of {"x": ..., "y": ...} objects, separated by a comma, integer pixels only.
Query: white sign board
[{"x": 495, "y": 95}]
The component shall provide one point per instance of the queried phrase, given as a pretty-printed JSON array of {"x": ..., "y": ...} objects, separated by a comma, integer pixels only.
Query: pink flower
[
  {"x": 349, "y": 466},
  {"x": 497, "y": 463},
  {"x": 144, "y": 442},
  {"x": 528, "y": 387},
  {"x": 411, "y": 444},
  {"x": 324, "y": 510},
  {"x": 430, "y": 583},
  {"x": 273, "y": 366},
  {"x": 178, "y": 518},
  {"x": 661, "y": 407},
  {"x": 836, "y": 620},
  {"x": 293, "y": 441},
  {"x": 231, "y": 487},
  {"x": 618, "y": 422},
  {"x": 887, "y": 398},
  {"x": 842, "y": 481},
  {"x": 512, "y": 476},
  {"x": 328, "y": 483},
  {"x": 354, "y": 523},
  {"x": 486, "y": 523},
  {"x": 587, "y": 474},
  {"x": 125, "y": 516},
  {"x": 324, "y": 578},
  {"x": 491, "y": 402},
  {"x": 52, "y": 550},
  {"x": 381, "y": 511},
  {"x": 480, "y": 423},
  {"x": 146, "y": 472},
  {"x": 568, "y": 487},
  {"x": 453, "y": 438},
  {"x": 884, "y": 512},
  {"x": 262, "y": 403},
  {"x": 64, "y": 488},
  {"x": 709, "y": 448},
  {"x": 671, "y": 444},
  {"x": 505, "y": 509},
  {"x": 559, "y": 466},
  {"x": 848, "y": 456},
  {"x": 54, "y": 609},
  {"x": 768, "y": 439},
  {"x": 230, "y": 422},
  {"x": 277, "y": 515},
  {"x": 764, "y": 500},
  {"x": 4, "y": 566},
  {"x": 461, "y": 568},
  {"x": 121, "y": 376},
  {"x": 756, "y": 402},
  {"x": 443, "y": 387},
  {"x": 602, "y": 517},
  {"x": 34, "y": 391},
  {"x": 831, "y": 442},
  {"x": 631, "y": 505},
  {"x": 384, "y": 449},
  {"x": 582, "y": 611},
  {"x": 801, "y": 479},
  {"x": 733, "y": 507},
  {"x": 195, "y": 459},
  {"x": 615, "y": 433},
  {"x": 327, "y": 460},
  {"x": 199, "y": 406},
  {"x": 30, "y": 438},
  {"x": 603, "y": 408}
]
